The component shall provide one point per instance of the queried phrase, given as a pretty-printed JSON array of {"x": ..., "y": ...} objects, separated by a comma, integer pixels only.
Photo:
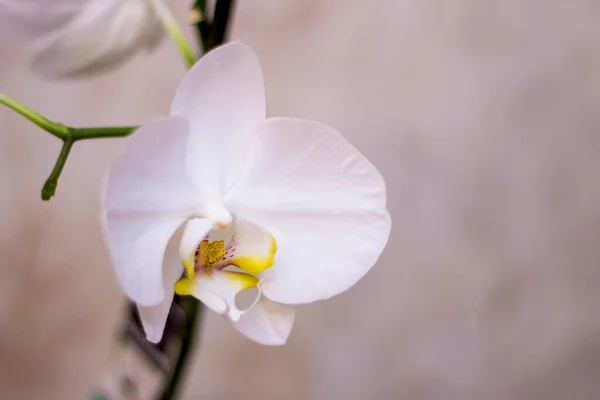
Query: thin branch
[
  {"x": 101, "y": 132},
  {"x": 56, "y": 129},
  {"x": 50, "y": 186},
  {"x": 67, "y": 134}
]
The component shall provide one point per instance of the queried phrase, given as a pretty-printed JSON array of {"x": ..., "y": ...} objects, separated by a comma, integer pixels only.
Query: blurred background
[{"x": 482, "y": 116}]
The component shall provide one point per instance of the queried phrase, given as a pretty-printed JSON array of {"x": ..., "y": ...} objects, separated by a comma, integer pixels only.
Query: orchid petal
[
  {"x": 217, "y": 290},
  {"x": 150, "y": 175},
  {"x": 223, "y": 97},
  {"x": 148, "y": 198},
  {"x": 323, "y": 201},
  {"x": 155, "y": 317},
  {"x": 104, "y": 34},
  {"x": 137, "y": 246},
  {"x": 255, "y": 247},
  {"x": 267, "y": 323}
]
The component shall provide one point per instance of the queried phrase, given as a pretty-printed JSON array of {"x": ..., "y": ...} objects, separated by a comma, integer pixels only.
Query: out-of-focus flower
[
  {"x": 279, "y": 204},
  {"x": 77, "y": 37}
]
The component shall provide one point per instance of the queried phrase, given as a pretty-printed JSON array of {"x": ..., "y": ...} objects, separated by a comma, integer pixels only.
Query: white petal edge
[
  {"x": 155, "y": 317},
  {"x": 267, "y": 323},
  {"x": 323, "y": 201},
  {"x": 223, "y": 96}
]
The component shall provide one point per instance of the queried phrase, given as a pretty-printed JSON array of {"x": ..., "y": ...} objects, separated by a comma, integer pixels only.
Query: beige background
[{"x": 483, "y": 117}]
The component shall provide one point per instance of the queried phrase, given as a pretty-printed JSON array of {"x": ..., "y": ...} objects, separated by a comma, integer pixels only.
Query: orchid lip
[{"x": 242, "y": 244}]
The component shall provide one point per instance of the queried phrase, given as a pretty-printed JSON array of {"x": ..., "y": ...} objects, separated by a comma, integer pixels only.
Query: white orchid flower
[
  {"x": 76, "y": 37},
  {"x": 279, "y": 204}
]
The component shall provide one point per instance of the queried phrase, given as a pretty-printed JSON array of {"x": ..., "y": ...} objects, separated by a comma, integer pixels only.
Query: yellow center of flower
[{"x": 212, "y": 252}]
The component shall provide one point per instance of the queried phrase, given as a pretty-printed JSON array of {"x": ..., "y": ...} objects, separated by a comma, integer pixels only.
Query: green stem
[
  {"x": 172, "y": 29},
  {"x": 50, "y": 186},
  {"x": 101, "y": 132},
  {"x": 56, "y": 129},
  {"x": 65, "y": 133}
]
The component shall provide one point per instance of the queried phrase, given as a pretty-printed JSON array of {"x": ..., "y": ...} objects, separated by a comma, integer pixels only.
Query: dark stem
[
  {"x": 220, "y": 23},
  {"x": 200, "y": 20},
  {"x": 193, "y": 311}
]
